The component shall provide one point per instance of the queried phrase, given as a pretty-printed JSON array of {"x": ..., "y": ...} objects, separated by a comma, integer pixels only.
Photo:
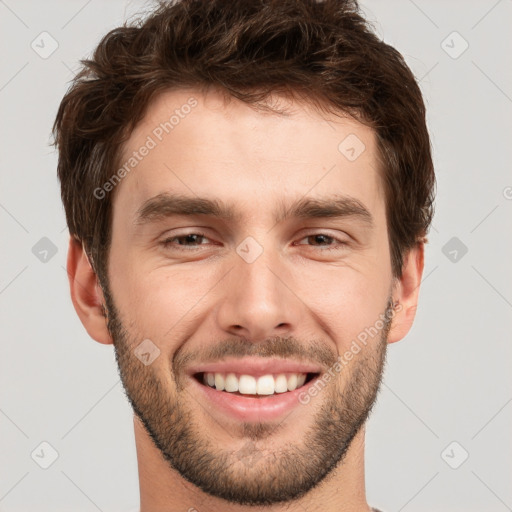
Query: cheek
[
  {"x": 346, "y": 301},
  {"x": 160, "y": 302}
]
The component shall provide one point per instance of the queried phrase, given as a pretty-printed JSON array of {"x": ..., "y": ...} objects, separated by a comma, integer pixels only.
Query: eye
[
  {"x": 321, "y": 238},
  {"x": 180, "y": 242},
  {"x": 190, "y": 241}
]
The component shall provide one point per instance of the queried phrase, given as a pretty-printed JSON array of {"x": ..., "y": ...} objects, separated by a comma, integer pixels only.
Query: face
[{"x": 249, "y": 252}]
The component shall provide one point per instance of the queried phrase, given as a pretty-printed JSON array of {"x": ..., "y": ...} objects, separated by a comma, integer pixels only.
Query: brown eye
[
  {"x": 324, "y": 241},
  {"x": 192, "y": 240}
]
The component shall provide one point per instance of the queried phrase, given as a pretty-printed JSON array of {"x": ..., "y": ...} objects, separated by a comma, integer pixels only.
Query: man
[{"x": 248, "y": 186}]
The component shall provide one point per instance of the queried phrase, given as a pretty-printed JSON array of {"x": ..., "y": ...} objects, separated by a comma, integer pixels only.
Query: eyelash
[{"x": 168, "y": 242}]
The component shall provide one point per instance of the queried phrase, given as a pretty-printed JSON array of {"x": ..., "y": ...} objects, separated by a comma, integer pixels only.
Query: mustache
[{"x": 274, "y": 347}]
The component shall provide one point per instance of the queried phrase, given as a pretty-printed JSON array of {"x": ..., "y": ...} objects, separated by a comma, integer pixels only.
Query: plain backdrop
[{"x": 439, "y": 437}]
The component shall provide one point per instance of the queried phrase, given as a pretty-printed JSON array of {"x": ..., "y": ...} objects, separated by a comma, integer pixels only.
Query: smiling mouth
[{"x": 251, "y": 386}]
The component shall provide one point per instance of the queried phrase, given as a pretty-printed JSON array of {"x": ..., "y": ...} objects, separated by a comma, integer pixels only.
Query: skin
[{"x": 295, "y": 299}]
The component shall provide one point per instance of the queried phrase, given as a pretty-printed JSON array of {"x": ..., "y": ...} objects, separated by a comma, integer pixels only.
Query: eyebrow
[{"x": 170, "y": 204}]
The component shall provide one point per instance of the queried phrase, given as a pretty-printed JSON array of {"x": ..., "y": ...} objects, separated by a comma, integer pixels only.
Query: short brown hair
[{"x": 321, "y": 51}]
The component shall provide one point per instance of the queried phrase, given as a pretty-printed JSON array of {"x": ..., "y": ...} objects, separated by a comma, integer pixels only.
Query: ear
[
  {"x": 406, "y": 292},
  {"x": 86, "y": 293}
]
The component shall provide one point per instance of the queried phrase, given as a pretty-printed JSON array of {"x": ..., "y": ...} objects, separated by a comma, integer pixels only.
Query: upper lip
[{"x": 255, "y": 366}]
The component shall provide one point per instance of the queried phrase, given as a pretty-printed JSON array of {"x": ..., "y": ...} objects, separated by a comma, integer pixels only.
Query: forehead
[{"x": 204, "y": 145}]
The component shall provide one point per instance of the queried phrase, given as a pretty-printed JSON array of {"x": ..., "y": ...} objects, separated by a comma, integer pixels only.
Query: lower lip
[{"x": 243, "y": 408}]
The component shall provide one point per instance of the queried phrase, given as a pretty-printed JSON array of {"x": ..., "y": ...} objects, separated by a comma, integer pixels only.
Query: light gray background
[{"x": 449, "y": 380}]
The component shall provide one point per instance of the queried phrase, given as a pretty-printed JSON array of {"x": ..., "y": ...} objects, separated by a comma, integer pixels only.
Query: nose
[{"x": 258, "y": 299}]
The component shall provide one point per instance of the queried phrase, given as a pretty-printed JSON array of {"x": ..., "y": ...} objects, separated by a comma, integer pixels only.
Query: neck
[{"x": 343, "y": 490}]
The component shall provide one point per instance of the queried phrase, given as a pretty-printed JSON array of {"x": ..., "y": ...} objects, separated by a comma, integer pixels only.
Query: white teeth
[
  {"x": 249, "y": 385},
  {"x": 265, "y": 385},
  {"x": 281, "y": 383},
  {"x": 231, "y": 383},
  {"x": 219, "y": 381},
  {"x": 292, "y": 382}
]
